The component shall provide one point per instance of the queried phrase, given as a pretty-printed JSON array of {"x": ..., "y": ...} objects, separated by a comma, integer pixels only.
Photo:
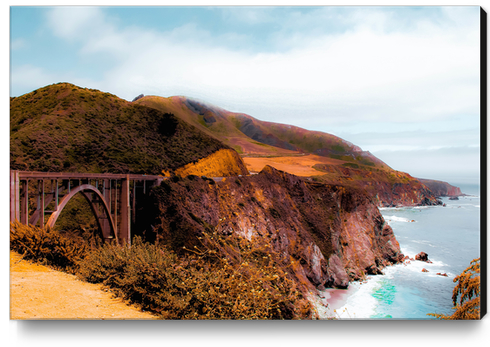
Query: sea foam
[
  {"x": 397, "y": 219},
  {"x": 361, "y": 304}
]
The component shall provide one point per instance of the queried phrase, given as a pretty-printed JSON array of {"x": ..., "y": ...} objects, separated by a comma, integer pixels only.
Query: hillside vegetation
[
  {"x": 302, "y": 140},
  {"x": 252, "y": 137},
  {"x": 213, "y": 121},
  {"x": 441, "y": 188},
  {"x": 63, "y": 127},
  {"x": 286, "y": 147}
]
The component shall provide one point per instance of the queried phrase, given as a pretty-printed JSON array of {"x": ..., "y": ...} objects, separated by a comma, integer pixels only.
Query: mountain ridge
[
  {"x": 255, "y": 138},
  {"x": 63, "y": 127},
  {"x": 228, "y": 126}
]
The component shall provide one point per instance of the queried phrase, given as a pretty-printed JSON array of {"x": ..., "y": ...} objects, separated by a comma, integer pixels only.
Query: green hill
[
  {"x": 63, "y": 127},
  {"x": 253, "y": 137},
  {"x": 213, "y": 121}
]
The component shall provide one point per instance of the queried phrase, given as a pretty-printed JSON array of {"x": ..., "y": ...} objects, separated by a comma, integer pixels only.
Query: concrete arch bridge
[{"x": 38, "y": 198}]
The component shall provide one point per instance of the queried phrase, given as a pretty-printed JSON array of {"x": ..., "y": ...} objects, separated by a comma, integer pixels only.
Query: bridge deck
[{"x": 76, "y": 175}]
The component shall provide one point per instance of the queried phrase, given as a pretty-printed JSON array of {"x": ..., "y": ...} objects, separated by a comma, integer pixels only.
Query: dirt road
[{"x": 38, "y": 292}]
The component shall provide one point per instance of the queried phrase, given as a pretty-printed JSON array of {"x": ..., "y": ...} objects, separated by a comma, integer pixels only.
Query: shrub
[
  {"x": 255, "y": 276},
  {"x": 47, "y": 246},
  {"x": 226, "y": 278},
  {"x": 142, "y": 274},
  {"x": 468, "y": 291}
]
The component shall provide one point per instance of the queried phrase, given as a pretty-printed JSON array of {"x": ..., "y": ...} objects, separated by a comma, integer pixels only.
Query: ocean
[{"x": 450, "y": 236}]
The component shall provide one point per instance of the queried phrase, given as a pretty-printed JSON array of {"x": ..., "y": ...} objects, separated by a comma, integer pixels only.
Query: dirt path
[{"x": 37, "y": 292}]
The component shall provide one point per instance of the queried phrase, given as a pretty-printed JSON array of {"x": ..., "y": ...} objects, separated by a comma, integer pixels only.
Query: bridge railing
[{"x": 111, "y": 191}]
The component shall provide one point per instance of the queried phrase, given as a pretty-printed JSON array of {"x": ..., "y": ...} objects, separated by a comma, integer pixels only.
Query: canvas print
[{"x": 243, "y": 163}]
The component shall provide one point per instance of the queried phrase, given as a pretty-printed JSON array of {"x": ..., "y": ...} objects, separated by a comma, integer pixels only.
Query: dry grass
[{"x": 299, "y": 165}]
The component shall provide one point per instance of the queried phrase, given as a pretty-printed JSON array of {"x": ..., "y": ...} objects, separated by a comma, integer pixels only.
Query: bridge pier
[
  {"x": 14, "y": 196},
  {"x": 124, "y": 231},
  {"x": 113, "y": 205}
]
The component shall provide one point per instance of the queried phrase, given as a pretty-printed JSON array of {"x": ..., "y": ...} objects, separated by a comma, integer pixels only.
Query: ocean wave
[
  {"x": 401, "y": 208},
  {"x": 361, "y": 304},
  {"x": 406, "y": 251},
  {"x": 435, "y": 275},
  {"x": 397, "y": 219},
  {"x": 415, "y": 292},
  {"x": 470, "y": 197},
  {"x": 416, "y": 266},
  {"x": 437, "y": 263},
  {"x": 370, "y": 298},
  {"x": 467, "y": 207}
]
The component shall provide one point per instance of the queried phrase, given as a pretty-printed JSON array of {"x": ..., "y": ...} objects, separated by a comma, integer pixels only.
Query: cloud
[
  {"x": 326, "y": 67},
  {"x": 18, "y": 44},
  {"x": 377, "y": 75},
  {"x": 77, "y": 22},
  {"x": 26, "y": 78},
  {"x": 366, "y": 72},
  {"x": 248, "y": 15}
]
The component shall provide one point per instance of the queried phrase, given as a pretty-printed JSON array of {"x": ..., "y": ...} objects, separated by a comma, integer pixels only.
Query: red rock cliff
[
  {"x": 440, "y": 188},
  {"x": 386, "y": 187},
  {"x": 333, "y": 234}
]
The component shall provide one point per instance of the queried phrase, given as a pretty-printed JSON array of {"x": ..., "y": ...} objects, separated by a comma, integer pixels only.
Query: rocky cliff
[
  {"x": 224, "y": 162},
  {"x": 333, "y": 234},
  {"x": 440, "y": 188},
  {"x": 388, "y": 188}
]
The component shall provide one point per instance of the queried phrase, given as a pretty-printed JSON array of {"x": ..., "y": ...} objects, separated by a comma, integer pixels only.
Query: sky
[{"x": 402, "y": 82}]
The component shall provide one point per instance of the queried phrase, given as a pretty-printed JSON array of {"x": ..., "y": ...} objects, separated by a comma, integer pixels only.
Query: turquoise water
[{"x": 450, "y": 235}]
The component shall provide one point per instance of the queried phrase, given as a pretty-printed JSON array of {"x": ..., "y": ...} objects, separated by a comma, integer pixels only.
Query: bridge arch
[
  {"x": 108, "y": 229},
  {"x": 114, "y": 223}
]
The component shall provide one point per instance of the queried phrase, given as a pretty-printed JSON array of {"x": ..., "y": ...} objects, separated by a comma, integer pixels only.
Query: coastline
[
  {"x": 329, "y": 301},
  {"x": 406, "y": 291}
]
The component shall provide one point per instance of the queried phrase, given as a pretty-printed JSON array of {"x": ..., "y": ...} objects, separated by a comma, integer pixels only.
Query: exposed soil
[
  {"x": 301, "y": 165},
  {"x": 38, "y": 292}
]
